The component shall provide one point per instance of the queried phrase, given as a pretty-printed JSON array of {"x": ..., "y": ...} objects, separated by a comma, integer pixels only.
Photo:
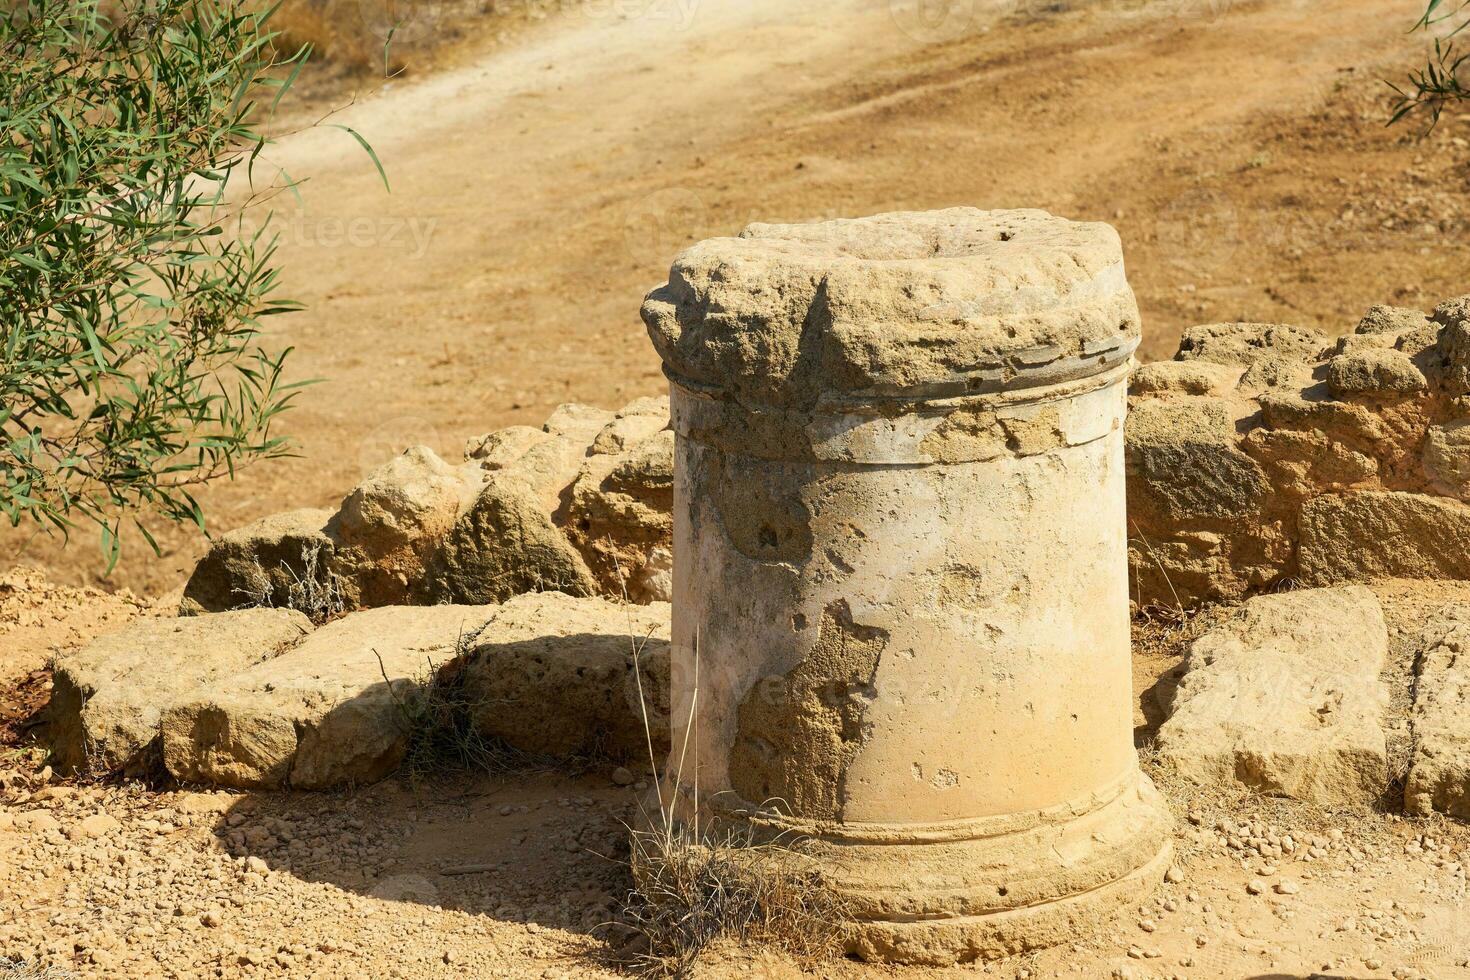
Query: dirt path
[{"x": 538, "y": 192}]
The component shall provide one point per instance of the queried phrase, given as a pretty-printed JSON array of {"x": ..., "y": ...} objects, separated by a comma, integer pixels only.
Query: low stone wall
[
  {"x": 1263, "y": 455},
  {"x": 579, "y": 506},
  {"x": 1266, "y": 455}
]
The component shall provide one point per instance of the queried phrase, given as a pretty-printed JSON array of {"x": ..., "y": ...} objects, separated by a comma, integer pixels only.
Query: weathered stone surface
[
  {"x": 1374, "y": 371},
  {"x": 503, "y": 447},
  {"x": 619, "y": 516},
  {"x": 553, "y": 675},
  {"x": 551, "y": 466},
  {"x": 503, "y": 545},
  {"x": 906, "y": 302},
  {"x": 854, "y": 403},
  {"x": 1447, "y": 458},
  {"x": 578, "y": 422},
  {"x": 1453, "y": 317},
  {"x": 1394, "y": 321},
  {"x": 1285, "y": 698},
  {"x": 1301, "y": 463},
  {"x": 633, "y": 424},
  {"x": 321, "y": 714},
  {"x": 265, "y": 563},
  {"x": 1439, "y": 771},
  {"x": 1247, "y": 343},
  {"x": 108, "y": 696},
  {"x": 1184, "y": 463},
  {"x": 1185, "y": 377},
  {"x": 1382, "y": 534},
  {"x": 390, "y": 524}
]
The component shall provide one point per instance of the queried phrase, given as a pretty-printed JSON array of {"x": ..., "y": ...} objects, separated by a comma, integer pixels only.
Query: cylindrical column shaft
[{"x": 900, "y": 564}]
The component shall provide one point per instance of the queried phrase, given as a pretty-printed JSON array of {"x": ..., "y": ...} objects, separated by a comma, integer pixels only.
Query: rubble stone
[
  {"x": 1439, "y": 771},
  {"x": 1285, "y": 698},
  {"x": 108, "y": 696}
]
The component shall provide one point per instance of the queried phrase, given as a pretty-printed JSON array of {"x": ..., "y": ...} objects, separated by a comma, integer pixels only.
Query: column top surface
[{"x": 908, "y": 305}]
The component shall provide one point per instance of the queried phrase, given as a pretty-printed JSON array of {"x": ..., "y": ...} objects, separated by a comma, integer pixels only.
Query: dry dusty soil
[
  {"x": 542, "y": 184},
  {"x": 521, "y": 876}
]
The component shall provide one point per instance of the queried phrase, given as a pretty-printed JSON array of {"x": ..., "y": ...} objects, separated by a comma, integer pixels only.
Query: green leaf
[{"x": 368, "y": 149}]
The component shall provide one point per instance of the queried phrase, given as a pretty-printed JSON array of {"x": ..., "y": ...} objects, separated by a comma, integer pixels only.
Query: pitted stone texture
[
  {"x": 391, "y": 523},
  {"x": 1183, "y": 460},
  {"x": 1285, "y": 698},
  {"x": 1377, "y": 534},
  {"x": 1352, "y": 456},
  {"x": 554, "y": 675},
  {"x": 908, "y": 304},
  {"x": 619, "y": 516},
  {"x": 1247, "y": 343},
  {"x": 1394, "y": 322},
  {"x": 1453, "y": 317},
  {"x": 260, "y": 564},
  {"x": 1185, "y": 378},
  {"x": 108, "y": 696},
  {"x": 1376, "y": 372},
  {"x": 503, "y": 545},
  {"x": 1447, "y": 458},
  {"x": 1273, "y": 355},
  {"x": 1439, "y": 770},
  {"x": 503, "y": 447},
  {"x": 322, "y": 714}
]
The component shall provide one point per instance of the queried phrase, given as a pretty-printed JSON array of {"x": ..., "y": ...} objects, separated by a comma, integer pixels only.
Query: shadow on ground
[{"x": 545, "y": 849}]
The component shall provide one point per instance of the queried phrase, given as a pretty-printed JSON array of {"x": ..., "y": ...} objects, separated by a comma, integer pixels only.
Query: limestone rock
[
  {"x": 1312, "y": 410},
  {"x": 1193, "y": 377},
  {"x": 1453, "y": 317},
  {"x": 633, "y": 424},
  {"x": 108, "y": 696},
  {"x": 1403, "y": 329},
  {"x": 1247, "y": 343},
  {"x": 1285, "y": 698},
  {"x": 554, "y": 675},
  {"x": 391, "y": 523},
  {"x": 1394, "y": 321},
  {"x": 1301, "y": 463},
  {"x": 1439, "y": 771},
  {"x": 1383, "y": 534},
  {"x": 1447, "y": 458},
  {"x": 505, "y": 544},
  {"x": 502, "y": 448},
  {"x": 578, "y": 422},
  {"x": 1184, "y": 464},
  {"x": 620, "y": 518},
  {"x": 1374, "y": 371},
  {"x": 549, "y": 467},
  {"x": 740, "y": 311},
  {"x": 320, "y": 715},
  {"x": 270, "y": 562}
]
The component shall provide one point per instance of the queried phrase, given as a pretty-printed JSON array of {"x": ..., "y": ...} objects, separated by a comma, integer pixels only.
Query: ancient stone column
[{"x": 900, "y": 561}]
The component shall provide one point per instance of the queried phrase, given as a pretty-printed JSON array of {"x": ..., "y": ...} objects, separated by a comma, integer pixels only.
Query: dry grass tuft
[
  {"x": 315, "y": 591},
  {"x": 437, "y": 712},
  {"x": 693, "y": 891},
  {"x": 695, "y": 887}
]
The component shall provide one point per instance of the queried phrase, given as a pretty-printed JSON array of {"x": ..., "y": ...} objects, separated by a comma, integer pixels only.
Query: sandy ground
[
  {"x": 541, "y": 187},
  {"x": 520, "y": 877}
]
